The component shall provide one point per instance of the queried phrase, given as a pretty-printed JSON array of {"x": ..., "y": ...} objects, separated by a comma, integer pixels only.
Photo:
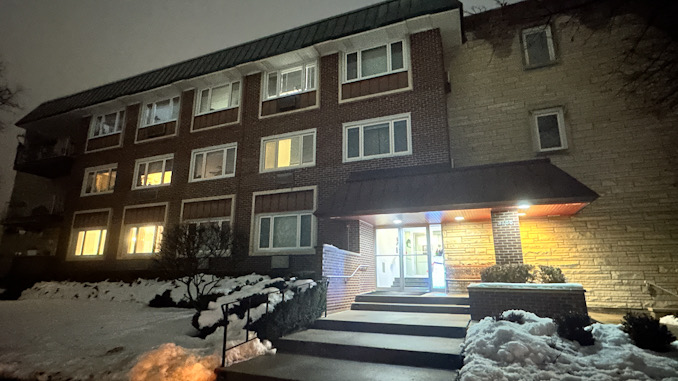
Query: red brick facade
[{"x": 424, "y": 100}]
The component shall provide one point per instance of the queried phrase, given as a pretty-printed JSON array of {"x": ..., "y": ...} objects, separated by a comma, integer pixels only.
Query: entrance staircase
[{"x": 383, "y": 337}]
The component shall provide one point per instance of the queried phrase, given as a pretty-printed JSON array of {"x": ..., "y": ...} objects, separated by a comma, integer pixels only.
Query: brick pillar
[{"x": 506, "y": 233}]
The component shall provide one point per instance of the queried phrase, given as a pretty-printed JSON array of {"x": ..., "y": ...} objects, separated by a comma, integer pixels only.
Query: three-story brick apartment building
[{"x": 385, "y": 148}]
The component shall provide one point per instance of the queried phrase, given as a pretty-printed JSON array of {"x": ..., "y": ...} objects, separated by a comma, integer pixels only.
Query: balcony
[
  {"x": 35, "y": 216},
  {"x": 46, "y": 157}
]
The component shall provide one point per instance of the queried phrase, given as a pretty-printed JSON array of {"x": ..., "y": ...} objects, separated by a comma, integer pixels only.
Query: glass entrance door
[{"x": 403, "y": 259}]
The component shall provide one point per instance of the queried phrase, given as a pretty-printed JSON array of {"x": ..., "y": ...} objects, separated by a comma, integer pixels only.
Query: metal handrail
[
  {"x": 226, "y": 307},
  {"x": 647, "y": 282},
  {"x": 347, "y": 276}
]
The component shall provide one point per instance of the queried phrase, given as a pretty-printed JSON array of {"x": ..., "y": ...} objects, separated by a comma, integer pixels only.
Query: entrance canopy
[{"x": 434, "y": 194}]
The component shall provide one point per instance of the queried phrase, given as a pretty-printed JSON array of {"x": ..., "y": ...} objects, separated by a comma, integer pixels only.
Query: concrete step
[
  {"x": 412, "y": 299},
  {"x": 430, "y": 352},
  {"x": 402, "y": 307},
  {"x": 398, "y": 323},
  {"x": 285, "y": 366}
]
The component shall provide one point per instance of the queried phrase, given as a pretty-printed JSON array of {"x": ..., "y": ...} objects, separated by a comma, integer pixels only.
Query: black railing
[{"x": 225, "y": 308}]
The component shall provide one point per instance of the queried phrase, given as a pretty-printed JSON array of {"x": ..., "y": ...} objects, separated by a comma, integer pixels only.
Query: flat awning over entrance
[{"x": 440, "y": 188}]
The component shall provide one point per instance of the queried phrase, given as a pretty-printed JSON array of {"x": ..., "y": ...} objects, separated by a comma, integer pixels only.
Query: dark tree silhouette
[{"x": 8, "y": 95}]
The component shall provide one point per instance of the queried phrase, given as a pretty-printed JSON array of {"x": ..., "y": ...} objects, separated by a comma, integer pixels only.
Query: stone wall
[
  {"x": 621, "y": 149},
  {"x": 487, "y": 301}
]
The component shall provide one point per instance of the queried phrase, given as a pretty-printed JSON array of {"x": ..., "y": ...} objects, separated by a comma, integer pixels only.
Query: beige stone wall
[{"x": 617, "y": 147}]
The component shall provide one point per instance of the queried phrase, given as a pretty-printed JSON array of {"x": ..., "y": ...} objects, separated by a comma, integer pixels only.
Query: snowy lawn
[
  {"x": 503, "y": 350},
  {"x": 107, "y": 331}
]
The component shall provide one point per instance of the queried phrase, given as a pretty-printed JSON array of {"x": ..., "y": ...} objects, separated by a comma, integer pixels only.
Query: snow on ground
[
  {"x": 669, "y": 320},
  {"x": 502, "y": 350},
  {"x": 106, "y": 331}
]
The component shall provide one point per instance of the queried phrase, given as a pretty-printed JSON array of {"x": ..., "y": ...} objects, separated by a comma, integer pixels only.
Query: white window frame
[
  {"x": 272, "y": 217},
  {"x": 148, "y": 160},
  {"x": 549, "y": 41},
  {"x": 370, "y": 122},
  {"x": 277, "y": 139},
  {"x": 154, "y": 104},
  {"x": 204, "y": 151},
  {"x": 119, "y": 123},
  {"x": 389, "y": 61},
  {"x": 156, "y": 245},
  {"x": 304, "y": 80},
  {"x": 231, "y": 104},
  {"x": 95, "y": 170},
  {"x": 103, "y": 230},
  {"x": 73, "y": 242},
  {"x": 558, "y": 111}
]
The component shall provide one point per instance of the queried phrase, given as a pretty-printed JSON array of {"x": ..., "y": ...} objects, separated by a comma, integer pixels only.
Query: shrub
[
  {"x": 550, "y": 274},
  {"x": 294, "y": 314},
  {"x": 571, "y": 326},
  {"x": 647, "y": 333},
  {"x": 513, "y": 317},
  {"x": 514, "y": 273},
  {"x": 162, "y": 301}
]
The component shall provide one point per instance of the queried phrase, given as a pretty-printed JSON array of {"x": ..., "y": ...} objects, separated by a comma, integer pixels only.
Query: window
[
  {"x": 90, "y": 242},
  {"x": 367, "y": 63},
  {"x": 160, "y": 112},
  {"x": 107, "y": 124},
  {"x": 285, "y": 231},
  {"x": 549, "y": 129},
  {"x": 99, "y": 180},
  {"x": 153, "y": 171},
  {"x": 377, "y": 138},
  {"x": 290, "y": 81},
  {"x": 538, "y": 46},
  {"x": 144, "y": 239},
  {"x": 288, "y": 151},
  {"x": 213, "y": 162},
  {"x": 218, "y": 98}
]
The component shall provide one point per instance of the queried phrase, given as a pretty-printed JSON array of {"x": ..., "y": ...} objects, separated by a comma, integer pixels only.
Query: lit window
[
  {"x": 107, "y": 124},
  {"x": 153, "y": 171},
  {"x": 373, "y": 62},
  {"x": 213, "y": 162},
  {"x": 218, "y": 98},
  {"x": 144, "y": 239},
  {"x": 549, "y": 129},
  {"x": 538, "y": 46},
  {"x": 290, "y": 81},
  {"x": 286, "y": 231},
  {"x": 90, "y": 242},
  {"x": 160, "y": 112},
  {"x": 99, "y": 180},
  {"x": 376, "y": 138},
  {"x": 288, "y": 151}
]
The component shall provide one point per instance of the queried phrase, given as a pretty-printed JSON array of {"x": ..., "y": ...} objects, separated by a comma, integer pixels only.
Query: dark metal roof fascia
[{"x": 389, "y": 12}]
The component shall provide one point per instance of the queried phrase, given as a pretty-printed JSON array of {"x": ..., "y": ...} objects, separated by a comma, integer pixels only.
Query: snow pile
[
  {"x": 502, "y": 350},
  {"x": 106, "y": 331},
  {"x": 140, "y": 291},
  {"x": 171, "y": 362},
  {"x": 669, "y": 320}
]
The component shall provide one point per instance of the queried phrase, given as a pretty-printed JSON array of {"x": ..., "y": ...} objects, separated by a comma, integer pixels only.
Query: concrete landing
[
  {"x": 408, "y": 318},
  {"x": 283, "y": 366}
]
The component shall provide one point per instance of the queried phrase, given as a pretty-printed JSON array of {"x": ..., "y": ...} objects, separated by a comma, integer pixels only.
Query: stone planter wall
[{"x": 546, "y": 300}]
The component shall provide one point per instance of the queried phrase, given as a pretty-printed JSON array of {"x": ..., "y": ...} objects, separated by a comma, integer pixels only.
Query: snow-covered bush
[
  {"x": 293, "y": 315},
  {"x": 572, "y": 326},
  {"x": 522, "y": 273},
  {"x": 513, "y": 273},
  {"x": 186, "y": 252},
  {"x": 550, "y": 274},
  {"x": 647, "y": 332}
]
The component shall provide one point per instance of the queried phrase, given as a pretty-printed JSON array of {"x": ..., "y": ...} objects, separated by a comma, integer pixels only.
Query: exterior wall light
[
  {"x": 523, "y": 205},
  {"x": 459, "y": 218},
  {"x": 397, "y": 221}
]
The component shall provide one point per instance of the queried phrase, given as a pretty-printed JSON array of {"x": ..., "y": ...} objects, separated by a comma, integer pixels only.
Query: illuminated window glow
[
  {"x": 99, "y": 180},
  {"x": 288, "y": 151},
  {"x": 155, "y": 171},
  {"x": 90, "y": 242},
  {"x": 144, "y": 239}
]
